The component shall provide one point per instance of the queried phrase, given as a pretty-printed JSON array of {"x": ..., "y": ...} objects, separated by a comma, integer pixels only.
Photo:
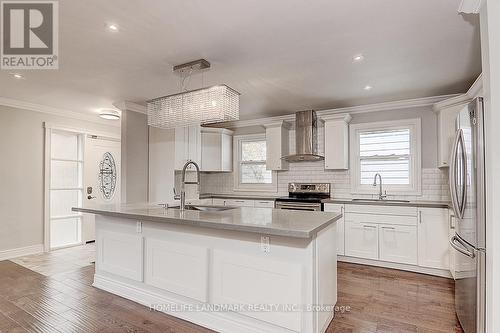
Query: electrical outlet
[
  {"x": 265, "y": 244},
  {"x": 139, "y": 227}
]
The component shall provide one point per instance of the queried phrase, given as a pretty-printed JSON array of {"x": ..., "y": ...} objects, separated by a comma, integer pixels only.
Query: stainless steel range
[{"x": 304, "y": 196}]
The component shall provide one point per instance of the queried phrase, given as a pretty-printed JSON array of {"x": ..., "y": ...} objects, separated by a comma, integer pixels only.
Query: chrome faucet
[
  {"x": 182, "y": 195},
  {"x": 380, "y": 195}
]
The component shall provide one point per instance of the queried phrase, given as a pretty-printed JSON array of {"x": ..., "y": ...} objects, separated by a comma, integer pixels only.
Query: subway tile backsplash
[{"x": 434, "y": 182}]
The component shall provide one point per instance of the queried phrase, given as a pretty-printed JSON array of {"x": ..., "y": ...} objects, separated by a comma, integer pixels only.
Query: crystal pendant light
[{"x": 213, "y": 104}]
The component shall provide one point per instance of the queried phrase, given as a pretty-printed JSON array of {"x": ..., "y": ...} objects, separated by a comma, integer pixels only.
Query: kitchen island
[{"x": 237, "y": 270}]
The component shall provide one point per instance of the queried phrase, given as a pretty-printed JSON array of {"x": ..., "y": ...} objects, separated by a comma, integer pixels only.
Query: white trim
[
  {"x": 130, "y": 106},
  {"x": 14, "y": 103},
  {"x": 21, "y": 252},
  {"x": 100, "y": 134},
  {"x": 404, "y": 267},
  {"x": 415, "y": 187},
  {"x": 237, "y": 186},
  {"x": 470, "y": 6},
  {"x": 386, "y": 106},
  {"x": 224, "y": 322},
  {"x": 474, "y": 91}
]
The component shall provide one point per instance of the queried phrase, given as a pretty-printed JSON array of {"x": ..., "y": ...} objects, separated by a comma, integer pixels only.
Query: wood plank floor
[{"x": 381, "y": 300}]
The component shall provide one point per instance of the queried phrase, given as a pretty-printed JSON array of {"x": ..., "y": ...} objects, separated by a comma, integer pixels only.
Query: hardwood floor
[{"x": 381, "y": 300}]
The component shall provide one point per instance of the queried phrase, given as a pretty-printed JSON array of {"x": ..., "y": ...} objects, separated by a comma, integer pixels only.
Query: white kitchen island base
[{"x": 198, "y": 274}]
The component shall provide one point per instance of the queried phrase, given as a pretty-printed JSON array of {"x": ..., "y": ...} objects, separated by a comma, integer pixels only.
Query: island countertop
[{"x": 268, "y": 221}]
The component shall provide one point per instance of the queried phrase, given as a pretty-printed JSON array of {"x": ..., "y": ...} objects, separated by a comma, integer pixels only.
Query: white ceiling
[{"x": 282, "y": 55}]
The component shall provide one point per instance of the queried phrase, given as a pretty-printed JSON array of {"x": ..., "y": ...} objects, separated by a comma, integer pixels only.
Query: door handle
[
  {"x": 463, "y": 201},
  {"x": 458, "y": 245},
  {"x": 453, "y": 175},
  {"x": 90, "y": 197}
]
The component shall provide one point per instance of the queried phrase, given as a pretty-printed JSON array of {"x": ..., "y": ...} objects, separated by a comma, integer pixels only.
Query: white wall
[
  {"x": 490, "y": 49},
  {"x": 21, "y": 173},
  {"x": 161, "y": 165}
]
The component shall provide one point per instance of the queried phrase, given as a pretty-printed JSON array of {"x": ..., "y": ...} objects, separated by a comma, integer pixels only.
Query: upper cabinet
[
  {"x": 337, "y": 141},
  {"x": 187, "y": 146},
  {"x": 216, "y": 149},
  {"x": 210, "y": 148},
  {"x": 277, "y": 145}
]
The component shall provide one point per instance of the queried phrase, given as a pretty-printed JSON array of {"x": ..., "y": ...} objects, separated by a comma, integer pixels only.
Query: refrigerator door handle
[
  {"x": 458, "y": 245},
  {"x": 453, "y": 175},
  {"x": 463, "y": 199}
]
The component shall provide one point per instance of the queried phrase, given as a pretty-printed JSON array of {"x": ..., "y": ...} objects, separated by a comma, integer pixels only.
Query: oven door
[{"x": 307, "y": 206}]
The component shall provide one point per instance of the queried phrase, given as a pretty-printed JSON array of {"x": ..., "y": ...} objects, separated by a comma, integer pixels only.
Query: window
[
  {"x": 250, "y": 165},
  {"x": 391, "y": 149}
]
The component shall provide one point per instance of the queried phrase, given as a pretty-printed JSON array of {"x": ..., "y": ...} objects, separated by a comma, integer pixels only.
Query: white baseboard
[
  {"x": 403, "y": 267},
  {"x": 219, "y": 321},
  {"x": 20, "y": 252}
]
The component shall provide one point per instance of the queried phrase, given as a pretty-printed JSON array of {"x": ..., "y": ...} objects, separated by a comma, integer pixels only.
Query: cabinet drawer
[
  {"x": 381, "y": 219},
  {"x": 239, "y": 203},
  {"x": 398, "y": 243},
  {"x": 219, "y": 202},
  {"x": 333, "y": 207},
  {"x": 379, "y": 209},
  {"x": 264, "y": 203},
  {"x": 361, "y": 240}
]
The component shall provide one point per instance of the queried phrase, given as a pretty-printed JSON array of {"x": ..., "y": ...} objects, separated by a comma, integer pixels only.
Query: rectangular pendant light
[{"x": 201, "y": 106}]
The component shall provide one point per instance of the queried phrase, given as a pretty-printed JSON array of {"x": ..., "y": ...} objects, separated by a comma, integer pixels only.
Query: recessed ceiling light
[
  {"x": 368, "y": 88},
  {"x": 17, "y": 76},
  {"x": 113, "y": 27},
  {"x": 358, "y": 58},
  {"x": 109, "y": 114}
]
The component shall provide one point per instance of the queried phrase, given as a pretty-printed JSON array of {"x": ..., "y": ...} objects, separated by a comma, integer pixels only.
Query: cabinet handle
[
  {"x": 239, "y": 201},
  {"x": 389, "y": 228},
  {"x": 369, "y": 226},
  {"x": 420, "y": 217},
  {"x": 451, "y": 221}
]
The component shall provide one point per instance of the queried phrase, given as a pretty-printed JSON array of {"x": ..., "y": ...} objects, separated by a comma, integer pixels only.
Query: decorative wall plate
[{"x": 107, "y": 176}]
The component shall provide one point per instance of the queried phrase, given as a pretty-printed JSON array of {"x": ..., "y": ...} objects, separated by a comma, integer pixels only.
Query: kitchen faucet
[
  {"x": 380, "y": 195},
  {"x": 182, "y": 195}
]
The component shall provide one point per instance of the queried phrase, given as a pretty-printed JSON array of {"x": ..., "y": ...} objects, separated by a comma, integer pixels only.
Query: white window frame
[
  {"x": 414, "y": 188},
  {"x": 238, "y": 186}
]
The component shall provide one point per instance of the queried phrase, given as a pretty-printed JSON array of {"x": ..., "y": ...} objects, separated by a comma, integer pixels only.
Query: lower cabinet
[
  {"x": 398, "y": 243},
  {"x": 340, "y": 226},
  {"x": 361, "y": 240},
  {"x": 433, "y": 233}
]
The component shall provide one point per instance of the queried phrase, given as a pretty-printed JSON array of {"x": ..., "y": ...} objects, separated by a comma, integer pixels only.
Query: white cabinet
[
  {"x": 264, "y": 203},
  {"x": 216, "y": 149},
  {"x": 446, "y": 130},
  {"x": 361, "y": 240},
  {"x": 451, "y": 232},
  {"x": 187, "y": 146},
  {"x": 398, "y": 243},
  {"x": 219, "y": 202},
  {"x": 337, "y": 141},
  {"x": 433, "y": 233},
  {"x": 277, "y": 145},
  {"x": 239, "y": 203},
  {"x": 340, "y": 226}
]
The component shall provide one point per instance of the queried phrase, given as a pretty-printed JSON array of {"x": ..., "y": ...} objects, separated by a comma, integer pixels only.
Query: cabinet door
[
  {"x": 336, "y": 144},
  {"x": 433, "y": 230},
  {"x": 239, "y": 203},
  {"x": 446, "y": 133},
  {"x": 398, "y": 243},
  {"x": 211, "y": 151},
  {"x": 276, "y": 146},
  {"x": 264, "y": 203},
  {"x": 340, "y": 226},
  {"x": 219, "y": 202},
  {"x": 361, "y": 239},
  {"x": 451, "y": 232}
]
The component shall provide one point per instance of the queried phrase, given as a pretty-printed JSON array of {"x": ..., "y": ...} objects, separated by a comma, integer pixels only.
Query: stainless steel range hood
[{"x": 306, "y": 138}]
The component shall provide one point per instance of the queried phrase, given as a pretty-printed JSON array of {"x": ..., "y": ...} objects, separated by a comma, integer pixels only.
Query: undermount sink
[
  {"x": 206, "y": 208},
  {"x": 380, "y": 200}
]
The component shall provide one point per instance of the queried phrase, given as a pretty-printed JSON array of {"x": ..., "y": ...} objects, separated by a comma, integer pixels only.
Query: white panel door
[
  {"x": 240, "y": 279},
  {"x": 120, "y": 254},
  {"x": 98, "y": 178},
  {"x": 361, "y": 239},
  {"x": 190, "y": 276},
  {"x": 398, "y": 243},
  {"x": 433, "y": 238}
]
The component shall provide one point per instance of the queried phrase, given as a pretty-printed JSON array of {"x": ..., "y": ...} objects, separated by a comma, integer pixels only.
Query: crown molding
[
  {"x": 473, "y": 92},
  {"x": 346, "y": 117},
  {"x": 23, "y": 105},
  {"x": 130, "y": 106},
  {"x": 386, "y": 106},
  {"x": 470, "y": 6}
]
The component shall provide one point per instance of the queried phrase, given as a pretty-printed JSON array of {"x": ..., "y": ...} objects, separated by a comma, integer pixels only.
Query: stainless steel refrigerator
[{"x": 467, "y": 185}]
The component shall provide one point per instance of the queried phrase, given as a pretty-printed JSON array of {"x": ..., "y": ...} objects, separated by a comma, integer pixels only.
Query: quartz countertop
[
  {"x": 423, "y": 204},
  {"x": 268, "y": 221}
]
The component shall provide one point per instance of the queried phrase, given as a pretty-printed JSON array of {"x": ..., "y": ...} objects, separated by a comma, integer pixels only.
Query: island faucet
[
  {"x": 380, "y": 195},
  {"x": 182, "y": 195}
]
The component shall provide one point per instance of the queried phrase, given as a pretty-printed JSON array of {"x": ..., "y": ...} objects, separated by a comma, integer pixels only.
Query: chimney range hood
[{"x": 306, "y": 138}]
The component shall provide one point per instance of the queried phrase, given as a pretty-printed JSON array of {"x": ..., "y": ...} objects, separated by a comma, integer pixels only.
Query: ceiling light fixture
[
  {"x": 17, "y": 76},
  {"x": 368, "y": 88},
  {"x": 213, "y": 104},
  {"x": 113, "y": 27},
  {"x": 358, "y": 58},
  {"x": 109, "y": 114}
]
